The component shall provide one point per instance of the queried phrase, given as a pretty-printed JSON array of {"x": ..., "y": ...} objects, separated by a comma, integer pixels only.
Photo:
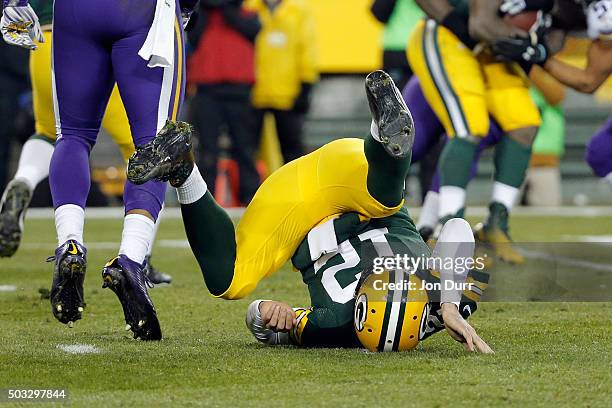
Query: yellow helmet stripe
[{"x": 402, "y": 312}]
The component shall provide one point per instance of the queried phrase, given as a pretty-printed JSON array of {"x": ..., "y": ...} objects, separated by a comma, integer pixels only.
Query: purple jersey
[{"x": 599, "y": 150}]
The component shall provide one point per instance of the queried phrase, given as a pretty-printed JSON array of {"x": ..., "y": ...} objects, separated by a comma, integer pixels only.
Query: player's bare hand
[
  {"x": 277, "y": 316},
  {"x": 460, "y": 330}
]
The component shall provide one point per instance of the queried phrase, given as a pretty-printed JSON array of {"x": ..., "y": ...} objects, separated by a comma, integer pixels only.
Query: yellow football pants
[
  {"x": 115, "y": 120},
  {"x": 293, "y": 200},
  {"x": 464, "y": 89}
]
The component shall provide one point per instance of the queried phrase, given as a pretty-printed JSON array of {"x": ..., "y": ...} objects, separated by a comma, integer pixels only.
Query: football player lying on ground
[
  {"x": 353, "y": 305},
  {"x": 345, "y": 176},
  {"x": 594, "y": 16}
]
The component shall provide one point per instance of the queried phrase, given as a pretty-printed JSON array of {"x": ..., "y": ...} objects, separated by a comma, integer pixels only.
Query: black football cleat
[
  {"x": 495, "y": 234},
  {"x": 168, "y": 157},
  {"x": 13, "y": 207},
  {"x": 154, "y": 275},
  {"x": 395, "y": 125},
  {"x": 67, "y": 298},
  {"x": 126, "y": 278}
]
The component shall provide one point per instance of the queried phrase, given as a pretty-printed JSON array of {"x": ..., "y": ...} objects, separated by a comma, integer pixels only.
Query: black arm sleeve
[
  {"x": 382, "y": 9},
  {"x": 246, "y": 24},
  {"x": 535, "y": 5}
]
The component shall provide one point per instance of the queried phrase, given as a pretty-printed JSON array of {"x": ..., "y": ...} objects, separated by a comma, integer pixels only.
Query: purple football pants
[
  {"x": 429, "y": 129},
  {"x": 95, "y": 45},
  {"x": 599, "y": 150}
]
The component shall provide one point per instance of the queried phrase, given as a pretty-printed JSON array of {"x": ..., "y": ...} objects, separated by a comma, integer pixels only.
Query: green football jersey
[
  {"x": 44, "y": 10},
  {"x": 332, "y": 279}
]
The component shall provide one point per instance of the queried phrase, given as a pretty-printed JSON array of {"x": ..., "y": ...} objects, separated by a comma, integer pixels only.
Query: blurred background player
[
  {"x": 594, "y": 16},
  {"x": 285, "y": 69},
  {"x": 221, "y": 69},
  {"x": 37, "y": 151},
  {"x": 464, "y": 84},
  {"x": 95, "y": 44},
  {"x": 544, "y": 188},
  {"x": 13, "y": 83}
]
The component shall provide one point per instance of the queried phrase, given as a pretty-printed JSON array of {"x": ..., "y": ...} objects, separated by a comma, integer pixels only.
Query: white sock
[
  {"x": 137, "y": 237},
  {"x": 429, "y": 211},
  {"x": 608, "y": 178},
  {"x": 34, "y": 162},
  {"x": 451, "y": 200},
  {"x": 69, "y": 222},
  {"x": 193, "y": 188},
  {"x": 374, "y": 131},
  {"x": 504, "y": 194},
  {"x": 155, "y": 229}
]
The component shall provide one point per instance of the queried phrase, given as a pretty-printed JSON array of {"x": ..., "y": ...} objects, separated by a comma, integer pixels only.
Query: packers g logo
[{"x": 361, "y": 311}]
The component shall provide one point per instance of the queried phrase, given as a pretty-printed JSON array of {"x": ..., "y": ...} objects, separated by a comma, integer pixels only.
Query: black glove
[
  {"x": 459, "y": 25},
  {"x": 302, "y": 102},
  {"x": 524, "y": 51}
]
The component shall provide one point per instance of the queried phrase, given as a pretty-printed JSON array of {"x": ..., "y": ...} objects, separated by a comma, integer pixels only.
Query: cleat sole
[
  {"x": 67, "y": 303},
  {"x": 155, "y": 160},
  {"x": 394, "y": 120}
]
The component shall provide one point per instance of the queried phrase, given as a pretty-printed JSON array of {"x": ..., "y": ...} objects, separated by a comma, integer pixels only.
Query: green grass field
[{"x": 546, "y": 353}]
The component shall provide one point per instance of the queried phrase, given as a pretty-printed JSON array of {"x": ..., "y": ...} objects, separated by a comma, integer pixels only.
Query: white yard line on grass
[
  {"x": 8, "y": 288},
  {"x": 173, "y": 213},
  {"x": 78, "y": 348},
  {"x": 162, "y": 243},
  {"x": 117, "y": 213},
  {"x": 605, "y": 240},
  {"x": 579, "y": 263}
]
